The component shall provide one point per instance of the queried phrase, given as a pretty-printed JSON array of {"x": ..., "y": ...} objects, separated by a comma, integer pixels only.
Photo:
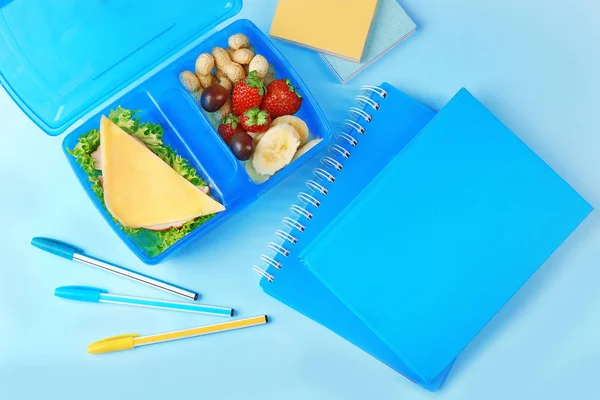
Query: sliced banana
[
  {"x": 255, "y": 176},
  {"x": 276, "y": 149},
  {"x": 304, "y": 149},
  {"x": 297, "y": 123}
]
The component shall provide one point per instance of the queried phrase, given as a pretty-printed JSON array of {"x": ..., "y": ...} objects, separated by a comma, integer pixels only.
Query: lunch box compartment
[
  {"x": 55, "y": 106},
  {"x": 262, "y": 45}
]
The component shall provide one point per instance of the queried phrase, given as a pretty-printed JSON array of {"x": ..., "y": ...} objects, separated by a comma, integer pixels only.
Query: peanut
[
  {"x": 204, "y": 64},
  {"x": 242, "y": 56},
  {"x": 189, "y": 81},
  {"x": 270, "y": 76},
  {"x": 238, "y": 41},
  {"x": 220, "y": 56},
  {"x": 206, "y": 80},
  {"x": 226, "y": 83},
  {"x": 220, "y": 74},
  {"x": 230, "y": 51},
  {"x": 223, "y": 111},
  {"x": 233, "y": 71},
  {"x": 260, "y": 65}
]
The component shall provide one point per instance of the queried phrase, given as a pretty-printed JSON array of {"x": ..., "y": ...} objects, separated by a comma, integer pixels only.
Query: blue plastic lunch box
[{"x": 67, "y": 61}]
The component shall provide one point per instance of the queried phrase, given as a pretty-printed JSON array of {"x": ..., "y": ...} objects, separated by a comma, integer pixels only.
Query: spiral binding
[{"x": 332, "y": 162}]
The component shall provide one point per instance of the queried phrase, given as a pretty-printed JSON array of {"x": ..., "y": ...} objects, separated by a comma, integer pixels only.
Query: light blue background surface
[{"x": 535, "y": 64}]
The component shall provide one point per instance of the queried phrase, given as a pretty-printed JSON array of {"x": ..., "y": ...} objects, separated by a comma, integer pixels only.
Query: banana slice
[
  {"x": 298, "y": 124},
  {"x": 276, "y": 149},
  {"x": 255, "y": 176},
  {"x": 304, "y": 149}
]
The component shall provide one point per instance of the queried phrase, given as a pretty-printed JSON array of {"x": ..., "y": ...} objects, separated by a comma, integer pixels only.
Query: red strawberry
[
  {"x": 229, "y": 127},
  {"x": 256, "y": 121},
  {"x": 247, "y": 93},
  {"x": 282, "y": 98}
]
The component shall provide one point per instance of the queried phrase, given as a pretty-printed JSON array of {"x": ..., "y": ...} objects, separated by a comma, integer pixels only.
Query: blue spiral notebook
[
  {"x": 430, "y": 226},
  {"x": 294, "y": 285}
]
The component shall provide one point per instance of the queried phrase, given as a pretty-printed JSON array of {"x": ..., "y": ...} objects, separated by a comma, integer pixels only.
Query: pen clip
[
  {"x": 57, "y": 247},
  {"x": 117, "y": 337}
]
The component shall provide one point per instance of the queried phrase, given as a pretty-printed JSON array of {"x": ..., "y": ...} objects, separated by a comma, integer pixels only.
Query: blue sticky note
[{"x": 391, "y": 26}]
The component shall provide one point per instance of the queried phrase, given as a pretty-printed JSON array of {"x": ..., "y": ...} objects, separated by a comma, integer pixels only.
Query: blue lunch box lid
[{"x": 61, "y": 59}]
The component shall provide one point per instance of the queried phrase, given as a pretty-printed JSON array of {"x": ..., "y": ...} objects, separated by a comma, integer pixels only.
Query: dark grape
[
  {"x": 213, "y": 97},
  {"x": 242, "y": 146}
]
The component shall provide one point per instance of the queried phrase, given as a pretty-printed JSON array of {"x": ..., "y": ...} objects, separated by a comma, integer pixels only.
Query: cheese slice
[{"x": 140, "y": 189}]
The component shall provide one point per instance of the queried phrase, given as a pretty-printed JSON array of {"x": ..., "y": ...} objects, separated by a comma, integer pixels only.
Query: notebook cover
[
  {"x": 334, "y": 26},
  {"x": 445, "y": 235},
  {"x": 294, "y": 285},
  {"x": 390, "y": 27}
]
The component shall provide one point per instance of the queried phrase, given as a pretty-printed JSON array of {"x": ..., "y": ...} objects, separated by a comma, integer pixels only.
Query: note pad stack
[
  {"x": 391, "y": 26},
  {"x": 419, "y": 228},
  {"x": 338, "y": 27}
]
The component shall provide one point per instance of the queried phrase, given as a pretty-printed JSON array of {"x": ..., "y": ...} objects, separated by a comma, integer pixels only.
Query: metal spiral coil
[
  {"x": 283, "y": 235},
  {"x": 301, "y": 212},
  {"x": 308, "y": 199},
  {"x": 320, "y": 173},
  {"x": 317, "y": 187},
  {"x": 260, "y": 271},
  {"x": 277, "y": 248},
  {"x": 360, "y": 113},
  {"x": 333, "y": 162},
  {"x": 293, "y": 224},
  {"x": 336, "y": 148},
  {"x": 374, "y": 89},
  {"x": 348, "y": 138},
  {"x": 348, "y": 123},
  {"x": 270, "y": 261},
  {"x": 362, "y": 99}
]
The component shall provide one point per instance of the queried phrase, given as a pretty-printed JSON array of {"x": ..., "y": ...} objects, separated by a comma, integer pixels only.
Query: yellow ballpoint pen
[{"x": 132, "y": 340}]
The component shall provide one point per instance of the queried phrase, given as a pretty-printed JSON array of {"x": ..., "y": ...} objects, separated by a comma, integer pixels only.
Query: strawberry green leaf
[{"x": 292, "y": 88}]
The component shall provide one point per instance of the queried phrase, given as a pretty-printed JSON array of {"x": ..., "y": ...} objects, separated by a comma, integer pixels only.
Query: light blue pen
[
  {"x": 71, "y": 252},
  {"x": 96, "y": 295}
]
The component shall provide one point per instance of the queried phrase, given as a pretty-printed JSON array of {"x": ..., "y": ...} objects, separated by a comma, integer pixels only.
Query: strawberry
[
  {"x": 229, "y": 127},
  {"x": 282, "y": 98},
  {"x": 247, "y": 93},
  {"x": 255, "y": 120}
]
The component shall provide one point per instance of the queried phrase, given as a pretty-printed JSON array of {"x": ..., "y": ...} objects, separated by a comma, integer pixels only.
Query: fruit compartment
[
  {"x": 189, "y": 130},
  {"x": 309, "y": 112}
]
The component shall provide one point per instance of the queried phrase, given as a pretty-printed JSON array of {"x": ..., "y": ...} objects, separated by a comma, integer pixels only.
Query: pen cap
[
  {"x": 82, "y": 293},
  {"x": 114, "y": 343},
  {"x": 57, "y": 247}
]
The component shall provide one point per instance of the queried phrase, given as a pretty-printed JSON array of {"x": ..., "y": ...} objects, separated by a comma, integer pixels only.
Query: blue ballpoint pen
[
  {"x": 71, "y": 252},
  {"x": 96, "y": 295}
]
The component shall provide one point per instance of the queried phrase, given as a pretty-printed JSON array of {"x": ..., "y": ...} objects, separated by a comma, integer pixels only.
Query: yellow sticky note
[{"x": 338, "y": 27}]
